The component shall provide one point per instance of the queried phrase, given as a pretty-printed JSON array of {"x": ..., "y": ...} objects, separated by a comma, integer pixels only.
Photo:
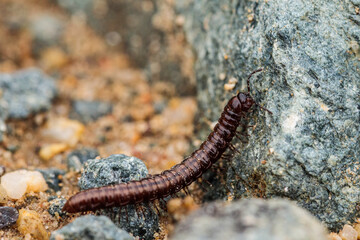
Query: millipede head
[{"x": 246, "y": 99}]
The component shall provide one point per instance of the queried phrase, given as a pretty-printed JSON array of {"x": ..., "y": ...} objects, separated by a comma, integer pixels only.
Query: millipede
[{"x": 179, "y": 176}]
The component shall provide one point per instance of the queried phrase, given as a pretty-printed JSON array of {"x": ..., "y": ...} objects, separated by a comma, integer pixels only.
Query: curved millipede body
[{"x": 179, "y": 176}]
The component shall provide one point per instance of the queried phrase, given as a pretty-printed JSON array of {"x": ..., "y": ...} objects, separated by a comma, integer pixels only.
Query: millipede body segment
[{"x": 179, "y": 176}]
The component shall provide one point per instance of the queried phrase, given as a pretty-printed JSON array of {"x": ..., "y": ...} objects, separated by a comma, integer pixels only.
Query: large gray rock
[
  {"x": 115, "y": 169},
  {"x": 91, "y": 227},
  {"x": 308, "y": 150},
  {"x": 251, "y": 219}
]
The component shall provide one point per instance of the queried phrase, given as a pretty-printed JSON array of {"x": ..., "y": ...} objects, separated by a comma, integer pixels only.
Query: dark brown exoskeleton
[{"x": 179, "y": 176}]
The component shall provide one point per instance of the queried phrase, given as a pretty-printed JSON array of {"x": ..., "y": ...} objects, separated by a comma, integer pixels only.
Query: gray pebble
[
  {"x": 4, "y": 113},
  {"x": 114, "y": 169},
  {"x": 250, "y": 219},
  {"x": 77, "y": 6},
  {"x": 76, "y": 159},
  {"x": 51, "y": 176},
  {"x": 91, "y": 227},
  {"x": 8, "y": 216},
  {"x": 119, "y": 169},
  {"x": 27, "y": 92},
  {"x": 89, "y": 111},
  {"x": 46, "y": 30},
  {"x": 56, "y": 206},
  {"x": 2, "y": 129}
]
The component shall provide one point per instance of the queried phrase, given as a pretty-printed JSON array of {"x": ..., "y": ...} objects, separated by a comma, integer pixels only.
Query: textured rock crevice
[{"x": 308, "y": 150}]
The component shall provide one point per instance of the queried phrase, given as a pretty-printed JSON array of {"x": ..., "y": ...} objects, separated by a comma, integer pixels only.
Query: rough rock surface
[
  {"x": 91, "y": 227},
  {"x": 308, "y": 150},
  {"x": 117, "y": 168},
  {"x": 120, "y": 168},
  {"x": 26, "y": 92},
  {"x": 253, "y": 219}
]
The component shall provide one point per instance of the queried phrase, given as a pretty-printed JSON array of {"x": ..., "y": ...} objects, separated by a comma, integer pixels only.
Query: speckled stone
[
  {"x": 56, "y": 205},
  {"x": 308, "y": 149},
  {"x": 89, "y": 111},
  {"x": 120, "y": 168},
  {"x": 27, "y": 92},
  {"x": 250, "y": 219},
  {"x": 91, "y": 227},
  {"x": 76, "y": 159},
  {"x": 52, "y": 177},
  {"x": 117, "y": 168},
  {"x": 8, "y": 216}
]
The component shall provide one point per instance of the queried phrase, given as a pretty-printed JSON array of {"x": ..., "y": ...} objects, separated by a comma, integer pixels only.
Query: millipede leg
[
  {"x": 233, "y": 148},
  {"x": 206, "y": 181},
  {"x": 242, "y": 134},
  {"x": 201, "y": 185},
  {"x": 187, "y": 191},
  {"x": 142, "y": 211},
  {"x": 227, "y": 158},
  {"x": 241, "y": 138},
  {"x": 127, "y": 215},
  {"x": 163, "y": 204},
  {"x": 157, "y": 210}
]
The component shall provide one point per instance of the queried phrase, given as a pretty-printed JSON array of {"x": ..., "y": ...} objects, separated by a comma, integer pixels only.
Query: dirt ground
[{"x": 147, "y": 121}]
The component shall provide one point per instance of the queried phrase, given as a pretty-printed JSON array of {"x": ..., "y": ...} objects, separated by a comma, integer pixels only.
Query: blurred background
[{"x": 89, "y": 77}]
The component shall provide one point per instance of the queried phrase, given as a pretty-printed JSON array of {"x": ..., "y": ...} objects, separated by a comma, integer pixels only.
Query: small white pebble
[
  {"x": 233, "y": 80},
  {"x": 63, "y": 130},
  {"x": 17, "y": 183},
  {"x": 229, "y": 86},
  {"x": 271, "y": 150},
  {"x": 222, "y": 76}
]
